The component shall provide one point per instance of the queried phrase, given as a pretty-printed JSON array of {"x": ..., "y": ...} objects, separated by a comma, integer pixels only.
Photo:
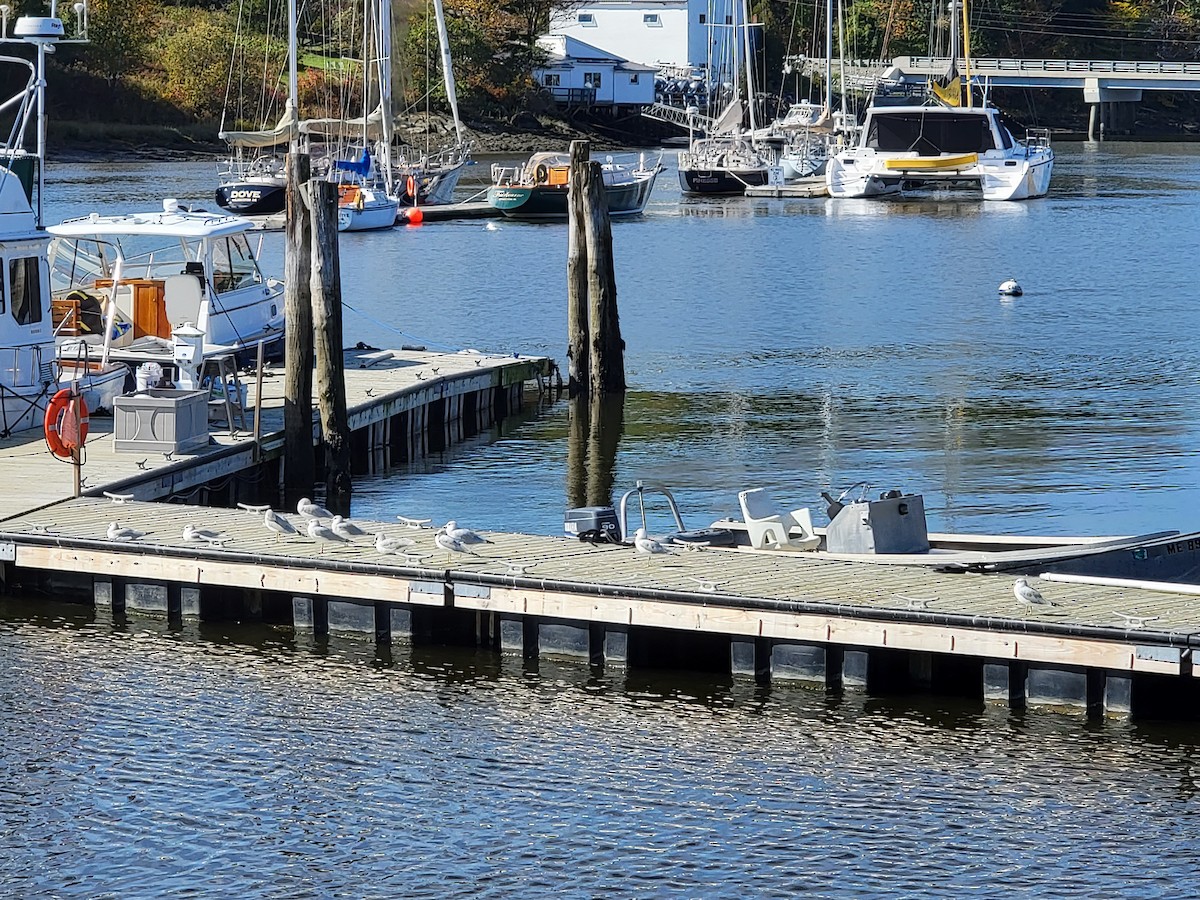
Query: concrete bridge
[{"x": 1106, "y": 84}]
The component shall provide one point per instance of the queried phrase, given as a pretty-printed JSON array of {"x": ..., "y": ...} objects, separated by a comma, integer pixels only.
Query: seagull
[
  {"x": 465, "y": 535},
  {"x": 323, "y": 534},
  {"x": 118, "y": 498},
  {"x": 451, "y": 545},
  {"x": 251, "y": 508},
  {"x": 1029, "y": 596},
  {"x": 345, "y": 528},
  {"x": 310, "y": 510},
  {"x": 385, "y": 544},
  {"x": 192, "y": 533},
  {"x": 648, "y": 545},
  {"x": 413, "y": 523},
  {"x": 118, "y": 533},
  {"x": 273, "y": 521}
]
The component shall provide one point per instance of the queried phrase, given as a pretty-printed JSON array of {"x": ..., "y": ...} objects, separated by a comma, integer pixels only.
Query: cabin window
[
  {"x": 591, "y": 80},
  {"x": 551, "y": 80},
  {"x": 233, "y": 266},
  {"x": 587, "y": 19},
  {"x": 24, "y": 290},
  {"x": 930, "y": 135},
  {"x": 650, "y": 19}
]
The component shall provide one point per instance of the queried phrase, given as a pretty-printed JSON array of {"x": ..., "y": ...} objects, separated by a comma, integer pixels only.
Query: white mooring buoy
[{"x": 1010, "y": 288}]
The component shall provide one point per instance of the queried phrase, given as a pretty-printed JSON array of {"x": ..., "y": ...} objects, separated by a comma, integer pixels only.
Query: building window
[
  {"x": 551, "y": 80},
  {"x": 729, "y": 20},
  {"x": 587, "y": 19},
  {"x": 591, "y": 80},
  {"x": 703, "y": 18},
  {"x": 650, "y": 19},
  {"x": 633, "y": 78}
]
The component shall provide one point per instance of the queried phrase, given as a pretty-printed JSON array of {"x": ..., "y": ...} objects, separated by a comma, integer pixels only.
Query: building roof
[{"x": 565, "y": 51}]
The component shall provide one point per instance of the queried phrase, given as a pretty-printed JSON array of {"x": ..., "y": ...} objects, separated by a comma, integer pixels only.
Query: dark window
[
  {"x": 24, "y": 290},
  {"x": 930, "y": 134},
  {"x": 703, "y": 18},
  {"x": 729, "y": 20}
]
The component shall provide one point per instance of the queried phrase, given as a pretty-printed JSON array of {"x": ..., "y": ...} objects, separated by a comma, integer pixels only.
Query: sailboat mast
[
  {"x": 966, "y": 37},
  {"x": 447, "y": 66},
  {"x": 293, "y": 80},
  {"x": 384, "y": 27},
  {"x": 829, "y": 56},
  {"x": 749, "y": 63}
]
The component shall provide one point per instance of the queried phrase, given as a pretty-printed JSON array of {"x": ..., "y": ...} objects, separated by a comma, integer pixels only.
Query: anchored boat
[{"x": 538, "y": 189}]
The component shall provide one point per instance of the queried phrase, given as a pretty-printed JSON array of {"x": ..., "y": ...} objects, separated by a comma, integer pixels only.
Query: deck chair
[{"x": 770, "y": 529}]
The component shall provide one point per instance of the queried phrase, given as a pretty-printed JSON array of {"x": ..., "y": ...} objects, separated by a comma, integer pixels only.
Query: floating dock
[
  {"x": 1105, "y": 649},
  {"x": 449, "y": 212},
  {"x": 801, "y": 187}
]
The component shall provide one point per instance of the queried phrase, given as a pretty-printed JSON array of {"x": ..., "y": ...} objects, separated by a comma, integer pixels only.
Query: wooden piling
[
  {"x": 299, "y": 468},
  {"x": 327, "y": 334},
  {"x": 606, "y": 351},
  {"x": 577, "y": 272}
]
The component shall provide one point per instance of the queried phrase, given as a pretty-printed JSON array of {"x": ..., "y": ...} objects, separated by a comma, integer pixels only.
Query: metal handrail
[{"x": 641, "y": 490}]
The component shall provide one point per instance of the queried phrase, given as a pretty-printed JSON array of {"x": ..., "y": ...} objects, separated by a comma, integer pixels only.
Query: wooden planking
[
  {"x": 859, "y": 603},
  {"x": 406, "y": 380}
]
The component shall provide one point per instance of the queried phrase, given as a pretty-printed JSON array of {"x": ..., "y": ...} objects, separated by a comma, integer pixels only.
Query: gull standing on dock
[
  {"x": 1029, "y": 596},
  {"x": 452, "y": 545},
  {"x": 464, "y": 535},
  {"x": 346, "y": 528},
  {"x": 273, "y": 521},
  {"x": 643, "y": 543},
  {"x": 311, "y": 510},
  {"x": 117, "y": 533},
  {"x": 323, "y": 534},
  {"x": 194, "y": 533}
]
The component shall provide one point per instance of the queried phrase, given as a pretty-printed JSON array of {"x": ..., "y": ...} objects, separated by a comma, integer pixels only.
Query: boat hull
[
  {"x": 371, "y": 216},
  {"x": 252, "y": 198},
  {"x": 721, "y": 181},
  {"x": 550, "y": 201}
]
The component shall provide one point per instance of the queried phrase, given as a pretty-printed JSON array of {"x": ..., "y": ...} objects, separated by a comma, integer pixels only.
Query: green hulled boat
[{"x": 538, "y": 189}]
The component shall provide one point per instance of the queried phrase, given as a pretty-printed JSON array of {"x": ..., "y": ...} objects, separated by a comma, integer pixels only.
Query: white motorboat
[
  {"x": 30, "y": 371},
  {"x": 145, "y": 274},
  {"x": 910, "y": 147}
]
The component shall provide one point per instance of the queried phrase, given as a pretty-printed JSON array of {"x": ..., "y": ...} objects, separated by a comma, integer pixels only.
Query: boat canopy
[
  {"x": 286, "y": 131},
  {"x": 930, "y": 131},
  {"x": 371, "y": 127},
  {"x": 170, "y": 222}
]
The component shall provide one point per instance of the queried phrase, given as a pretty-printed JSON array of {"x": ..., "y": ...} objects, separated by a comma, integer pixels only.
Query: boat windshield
[{"x": 929, "y": 134}]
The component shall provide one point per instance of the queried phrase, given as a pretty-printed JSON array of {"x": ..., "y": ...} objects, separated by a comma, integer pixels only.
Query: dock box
[
  {"x": 162, "y": 420},
  {"x": 895, "y": 523}
]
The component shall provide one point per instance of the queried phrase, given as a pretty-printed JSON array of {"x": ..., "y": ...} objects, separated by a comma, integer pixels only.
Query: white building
[
  {"x": 679, "y": 33},
  {"x": 578, "y": 74}
]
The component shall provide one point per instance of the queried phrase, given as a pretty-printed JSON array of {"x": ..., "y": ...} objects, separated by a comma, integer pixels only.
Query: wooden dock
[
  {"x": 802, "y": 187},
  {"x": 394, "y": 396},
  {"x": 1101, "y": 648}
]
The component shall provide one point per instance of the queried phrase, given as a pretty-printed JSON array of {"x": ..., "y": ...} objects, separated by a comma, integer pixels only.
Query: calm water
[{"x": 799, "y": 345}]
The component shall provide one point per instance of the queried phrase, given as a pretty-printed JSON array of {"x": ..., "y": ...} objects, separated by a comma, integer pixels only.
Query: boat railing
[
  {"x": 641, "y": 490},
  {"x": 1036, "y": 139},
  {"x": 506, "y": 175}
]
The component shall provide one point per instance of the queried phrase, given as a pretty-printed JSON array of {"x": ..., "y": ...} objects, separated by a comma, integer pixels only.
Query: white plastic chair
[{"x": 770, "y": 529}]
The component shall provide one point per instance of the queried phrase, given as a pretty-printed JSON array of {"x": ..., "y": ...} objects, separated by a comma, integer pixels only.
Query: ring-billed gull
[
  {"x": 345, "y": 528},
  {"x": 118, "y": 533},
  {"x": 196, "y": 533},
  {"x": 385, "y": 544},
  {"x": 1029, "y": 596},
  {"x": 311, "y": 510},
  {"x": 643, "y": 543},
  {"x": 323, "y": 534},
  {"x": 464, "y": 535},
  {"x": 452, "y": 545},
  {"x": 273, "y": 521}
]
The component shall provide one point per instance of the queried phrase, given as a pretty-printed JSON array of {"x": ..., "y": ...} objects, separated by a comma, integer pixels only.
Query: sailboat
[
  {"x": 728, "y": 161},
  {"x": 944, "y": 143},
  {"x": 430, "y": 178},
  {"x": 361, "y": 162},
  {"x": 253, "y": 181},
  {"x": 31, "y": 374}
]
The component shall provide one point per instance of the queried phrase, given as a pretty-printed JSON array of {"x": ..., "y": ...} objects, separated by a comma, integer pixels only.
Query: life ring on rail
[
  {"x": 540, "y": 174},
  {"x": 410, "y": 185},
  {"x": 66, "y": 430}
]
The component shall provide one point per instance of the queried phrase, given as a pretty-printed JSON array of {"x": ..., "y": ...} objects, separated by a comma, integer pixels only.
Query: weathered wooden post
[
  {"x": 298, "y": 462},
  {"x": 327, "y": 328},
  {"x": 577, "y": 275},
  {"x": 607, "y": 351}
]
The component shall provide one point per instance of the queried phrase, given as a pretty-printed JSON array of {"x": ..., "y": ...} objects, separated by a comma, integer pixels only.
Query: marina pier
[{"x": 1100, "y": 649}]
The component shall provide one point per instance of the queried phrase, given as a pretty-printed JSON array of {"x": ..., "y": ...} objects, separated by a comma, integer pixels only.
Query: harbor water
[{"x": 798, "y": 345}]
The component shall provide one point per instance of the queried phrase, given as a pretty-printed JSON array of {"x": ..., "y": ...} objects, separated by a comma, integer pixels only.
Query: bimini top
[{"x": 173, "y": 221}]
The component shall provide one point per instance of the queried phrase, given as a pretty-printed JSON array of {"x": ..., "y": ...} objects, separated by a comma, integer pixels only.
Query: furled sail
[
  {"x": 348, "y": 129},
  {"x": 287, "y": 130}
]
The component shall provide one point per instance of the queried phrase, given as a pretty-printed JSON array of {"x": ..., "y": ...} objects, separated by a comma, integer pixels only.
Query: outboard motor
[
  {"x": 895, "y": 523},
  {"x": 597, "y": 524}
]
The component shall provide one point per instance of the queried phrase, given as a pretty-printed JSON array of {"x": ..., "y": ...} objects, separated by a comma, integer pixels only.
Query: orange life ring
[
  {"x": 66, "y": 430},
  {"x": 410, "y": 184}
]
